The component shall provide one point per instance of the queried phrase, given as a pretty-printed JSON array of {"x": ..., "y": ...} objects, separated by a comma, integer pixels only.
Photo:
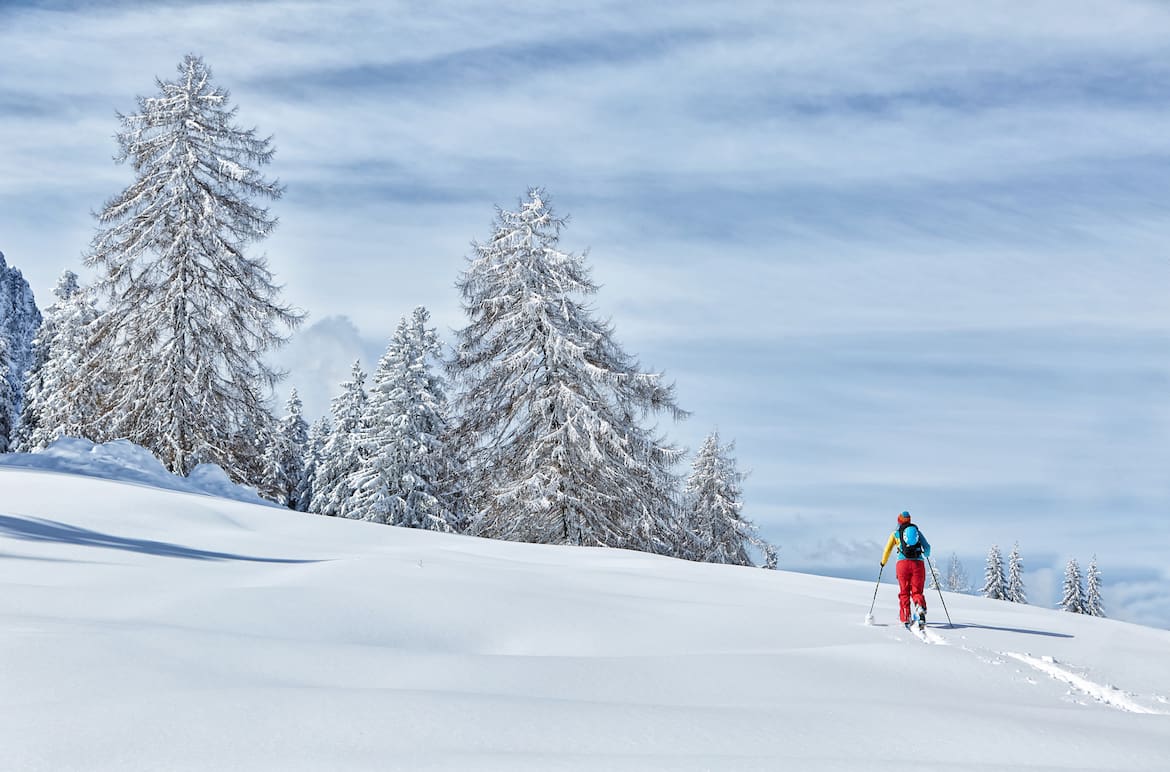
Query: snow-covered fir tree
[
  {"x": 934, "y": 578},
  {"x": 180, "y": 350},
  {"x": 58, "y": 402},
  {"x": 341, "y": 457},
  {"x": 551, "y": 409},
  {"x": 1093, "y": 603},
  {"x": 1015, "y": 582},
  {"x": 19, "y": 322},
  {"x": 956, "y": 578},
  {"x": 284, "y": 457},
  {"x": 771, "y": 557},
  {"x": 314, "y": 448},
  {"x": 409, "y": 476},
  {"x": 715, "y": 507},
  {"x": 1073, "y": 593},
  {"x": 994, "y": 581}
]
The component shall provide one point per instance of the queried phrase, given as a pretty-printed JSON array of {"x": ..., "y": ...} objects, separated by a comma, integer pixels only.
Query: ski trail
[
  {"x": 1108, "y": 695},
  {"x": 926, "y": 635},
  {"x": 930, "y": 636},
  {"x": 1103, "y": 693}
]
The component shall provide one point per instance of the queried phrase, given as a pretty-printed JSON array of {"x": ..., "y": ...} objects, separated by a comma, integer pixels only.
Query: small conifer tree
[
  {"x": 994, "y": 582},
  {"x": 408, "y": 476},
  {"x": 1073, "y": 593},
  {"x": 19, "y": 321},
  {"x": 1015, "y": 584},
  {"x": 1093, "y": 604},
  {"x": 341, "y": 457},
  {"x": 58, "y": 403},
  {"x": 956, "y": 578},
  {"x": 284, "y": 458},
  {"x": 715, "y": 517},
  {"x": 314, "y": 447}
]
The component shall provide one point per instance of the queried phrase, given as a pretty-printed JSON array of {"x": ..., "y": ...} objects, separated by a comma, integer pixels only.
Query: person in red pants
[{"x": 913, "y": 550}]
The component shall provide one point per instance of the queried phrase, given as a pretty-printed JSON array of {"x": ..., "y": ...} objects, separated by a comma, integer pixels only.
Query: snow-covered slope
[
  {"x": 148, "y": 629},
  {"x": 125, "y": 461}
]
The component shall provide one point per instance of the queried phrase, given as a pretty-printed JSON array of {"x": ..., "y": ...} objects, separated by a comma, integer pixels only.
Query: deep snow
[
  {"x": 147, "y": 629},
  {"x": 125, "y": 461}
]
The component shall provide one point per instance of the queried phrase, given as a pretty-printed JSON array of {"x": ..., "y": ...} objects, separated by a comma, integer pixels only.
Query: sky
[{"x": 905, "y": 255}]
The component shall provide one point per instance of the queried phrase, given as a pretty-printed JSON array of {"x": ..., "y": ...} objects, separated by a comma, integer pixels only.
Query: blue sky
[{"x": 908, "y": 255}]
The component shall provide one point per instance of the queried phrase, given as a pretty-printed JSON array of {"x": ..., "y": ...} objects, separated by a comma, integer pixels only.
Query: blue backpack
[{"x": 909, "y": 543}]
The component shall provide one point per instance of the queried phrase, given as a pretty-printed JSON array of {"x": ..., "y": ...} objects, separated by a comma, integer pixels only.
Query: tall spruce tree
[
  {"x": 19, "y": 321},
  {"x": 409, "y": 475},
  {"x": 58, "y": 402},
  {"x": 715, "y": 508},
  {"x": 551, "y": 408},
  {"x": 994, "y": 582},
  {"x": 180, "y": 350},
  {"x": 341, "y": 456},
  {"x": 1073, "y": 593},
  {"x": 284, "y": 458},
  {"x": 1015, "y": 583},
  {"x": 1093, "y": 603}
]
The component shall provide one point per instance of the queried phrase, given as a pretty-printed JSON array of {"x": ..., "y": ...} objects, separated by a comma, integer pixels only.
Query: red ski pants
[{"x": 911, "y": 580}]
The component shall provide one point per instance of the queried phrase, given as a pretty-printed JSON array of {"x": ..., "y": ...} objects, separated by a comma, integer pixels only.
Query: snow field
[{"x": 150, "y": 629}]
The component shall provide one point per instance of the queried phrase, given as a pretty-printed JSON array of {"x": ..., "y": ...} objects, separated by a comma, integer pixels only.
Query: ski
[{"x": 917, "y": 625}]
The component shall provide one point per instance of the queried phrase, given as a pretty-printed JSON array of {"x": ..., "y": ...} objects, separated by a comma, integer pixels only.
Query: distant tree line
[
  {"x": 1079, "y": 595},
  {"x": 535, "y": 426}
]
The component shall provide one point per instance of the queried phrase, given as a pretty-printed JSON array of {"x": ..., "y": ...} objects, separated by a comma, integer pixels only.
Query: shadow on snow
[
  {"x": 971, "y": 626},
  {"x": 35, "y": 529}
]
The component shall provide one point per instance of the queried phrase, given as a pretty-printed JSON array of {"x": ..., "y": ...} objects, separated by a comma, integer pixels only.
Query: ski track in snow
[
  {"x": 930, "y": 636},
  {"x": 1103, "y": 693},
  {"x": 1108, "y": 695}
]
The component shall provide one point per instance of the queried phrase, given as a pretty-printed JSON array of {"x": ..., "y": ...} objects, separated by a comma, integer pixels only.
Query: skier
[{"x": 913, "y": 549}]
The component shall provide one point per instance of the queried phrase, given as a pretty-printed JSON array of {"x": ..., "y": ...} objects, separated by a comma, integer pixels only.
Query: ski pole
[
  {"x": 938, "y": 587},
  {"x": 869, "y": 616}
]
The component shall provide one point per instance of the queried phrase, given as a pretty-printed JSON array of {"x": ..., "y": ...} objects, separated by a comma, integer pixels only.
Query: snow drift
[{"x": 125, "y": 461}]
